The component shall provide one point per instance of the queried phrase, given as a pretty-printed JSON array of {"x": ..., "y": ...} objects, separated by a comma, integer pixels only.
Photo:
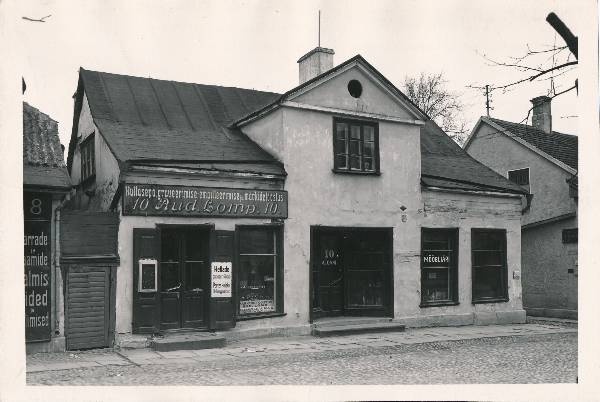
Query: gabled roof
[
  {"x": 145, "y": 118},
  {"x": 356, "y": 59},
  {"x": 445, "y": 164},
  {"x": 43, "y": 164},
  {"x": 558, "y": 146}
]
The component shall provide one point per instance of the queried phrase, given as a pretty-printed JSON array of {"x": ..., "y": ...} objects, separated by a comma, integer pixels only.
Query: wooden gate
[{"x": 88, "y": 307}]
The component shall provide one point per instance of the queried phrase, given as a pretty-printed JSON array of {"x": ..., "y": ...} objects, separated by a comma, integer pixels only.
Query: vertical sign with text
[
  {"x": 37, "y": 209},
  {"x": 220, "y": 279}
]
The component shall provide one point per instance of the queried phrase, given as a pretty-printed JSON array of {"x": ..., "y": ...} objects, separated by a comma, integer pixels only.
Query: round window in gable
[{"x": 355, "y": 88}]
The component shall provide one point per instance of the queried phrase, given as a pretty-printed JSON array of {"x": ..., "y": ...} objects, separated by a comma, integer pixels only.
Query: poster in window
[{"x": 147, "y": 275}]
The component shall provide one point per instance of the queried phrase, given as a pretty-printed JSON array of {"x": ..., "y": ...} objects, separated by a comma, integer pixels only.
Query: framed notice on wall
[{"x": 220, "y": 279}]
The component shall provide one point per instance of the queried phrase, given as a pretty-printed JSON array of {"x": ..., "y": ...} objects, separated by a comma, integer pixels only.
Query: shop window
[
  {"x": 260, "y": 273},
  {"x": 356, "y": 147},
  {"x": 569, "y": 236},
  {"x": 88, "y": 158},
  {"x": 520, "y": 177},
  {"x": 488, "y": 250},
  {"x": 439, "y": 258}
]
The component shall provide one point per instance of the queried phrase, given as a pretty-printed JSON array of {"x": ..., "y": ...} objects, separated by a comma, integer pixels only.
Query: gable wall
[
  {"x": 334, "y": 93},
  {"x": 107, "y": 168},
  {"x": 547, "y": 181}
]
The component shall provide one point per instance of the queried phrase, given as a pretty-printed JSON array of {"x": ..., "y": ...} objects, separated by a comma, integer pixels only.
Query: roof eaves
[{"x": 491, "y": 188}]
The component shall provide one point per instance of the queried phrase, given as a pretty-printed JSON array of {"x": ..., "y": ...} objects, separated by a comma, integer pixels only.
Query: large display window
[
  {"x": 439, "y": 261},
  {"x": 260, "y": 276}
]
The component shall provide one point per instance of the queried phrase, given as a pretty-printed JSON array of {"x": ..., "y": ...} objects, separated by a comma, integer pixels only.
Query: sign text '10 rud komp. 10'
[{"x": 164, "y": 200}]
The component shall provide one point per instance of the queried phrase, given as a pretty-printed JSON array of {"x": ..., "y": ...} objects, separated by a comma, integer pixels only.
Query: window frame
[
  {"x": 566, "y": 233},
  {"x": 279, "y": 271},
  {"x": 504, "y": 275},
  {"x": 528, "y": 185},
  {"x": 376, "y": 157},
  {"x": 87, "y": 154},
  {"x": 452, "y": 269}
]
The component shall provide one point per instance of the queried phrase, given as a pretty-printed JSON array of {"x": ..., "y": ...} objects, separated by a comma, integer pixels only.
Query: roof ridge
[
  {"x": 529, "y": 126},
  {"x": 180, "y": 82}
]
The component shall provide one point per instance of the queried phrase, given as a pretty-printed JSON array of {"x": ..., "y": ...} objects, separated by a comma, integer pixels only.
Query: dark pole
[
  {"x": 487, "y": 99},
  {"x": 560, "y": 27}
]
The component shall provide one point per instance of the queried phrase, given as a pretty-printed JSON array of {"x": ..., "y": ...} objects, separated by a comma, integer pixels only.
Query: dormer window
[
  {"x": 88, "y": 160},
  {"x": 356, "y": 146}
]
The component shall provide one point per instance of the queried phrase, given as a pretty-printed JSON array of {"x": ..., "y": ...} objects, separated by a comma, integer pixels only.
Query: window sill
[
  {"x": 356, "y": 172},
  {"x": 484, "y": 301},
  {"x": 439, "y": 304},
  {"x": 256, "y": 317}
]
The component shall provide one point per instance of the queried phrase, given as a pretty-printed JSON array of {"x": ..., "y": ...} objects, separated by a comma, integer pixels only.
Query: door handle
[{"x": 174, "y": 288}]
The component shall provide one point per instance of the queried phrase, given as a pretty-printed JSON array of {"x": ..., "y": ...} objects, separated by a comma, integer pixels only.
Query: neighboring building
[
  {"x": 545, "y": 163},
  {"x": 45, "y": 183},
  {"x": 262, "y": 213}
]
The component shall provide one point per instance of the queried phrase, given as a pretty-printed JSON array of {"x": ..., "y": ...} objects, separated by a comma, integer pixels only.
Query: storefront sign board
[{"x": 163, "y": 200}]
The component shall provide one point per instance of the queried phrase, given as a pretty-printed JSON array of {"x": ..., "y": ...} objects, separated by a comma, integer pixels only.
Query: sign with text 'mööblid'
[
  {"x": 164, "y": 200},
  {"x": 220, "y": 279}
]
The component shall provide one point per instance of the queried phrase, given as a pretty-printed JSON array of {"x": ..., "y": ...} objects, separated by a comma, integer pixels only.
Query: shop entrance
[
  {"x": 184, "y": 277},
  {"x": 351, "y": 272}
]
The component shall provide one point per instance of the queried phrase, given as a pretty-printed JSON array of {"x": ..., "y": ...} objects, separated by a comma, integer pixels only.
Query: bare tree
[
  {"x": 551, "y": 63},
  {"x": 443, "y": 106}
]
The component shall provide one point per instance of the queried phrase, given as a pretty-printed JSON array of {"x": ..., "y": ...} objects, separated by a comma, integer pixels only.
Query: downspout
[
  {"x": 57, "y": 261},
  {"x": 529, "y": 198}
]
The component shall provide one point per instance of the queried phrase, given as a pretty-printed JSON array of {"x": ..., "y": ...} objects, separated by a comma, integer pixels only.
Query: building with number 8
[
  {"x": 45, "y": 183},
  {"x": 257, "y": 213}
]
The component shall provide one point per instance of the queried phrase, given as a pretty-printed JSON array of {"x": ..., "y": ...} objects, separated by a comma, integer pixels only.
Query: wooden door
[
  {"x": 146, "y": 306},
  {"x": 184, "y": 282},
  {"x": 329, "y": 275},
  {"x": 87, "y": 307}
]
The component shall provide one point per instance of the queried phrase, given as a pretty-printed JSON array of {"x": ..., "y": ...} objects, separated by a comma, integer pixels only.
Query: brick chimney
[
  {"x": 315, "y": 63},
  {"x": 542, "y": 116}
]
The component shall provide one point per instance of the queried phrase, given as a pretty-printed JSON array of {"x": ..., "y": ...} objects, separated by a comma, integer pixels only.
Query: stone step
[
  {"x": 342, "y": 321},
  {"x": 187, "y": 342},
  {"x": 352, "y": 329}
]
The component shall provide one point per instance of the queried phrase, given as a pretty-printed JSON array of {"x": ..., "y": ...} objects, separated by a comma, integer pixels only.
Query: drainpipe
[
  {"x": 529, "y": 198},
  {"x": 57, "y": 261}
]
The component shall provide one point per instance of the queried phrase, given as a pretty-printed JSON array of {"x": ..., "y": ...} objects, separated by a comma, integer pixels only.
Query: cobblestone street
[{"x": 496, "y": 354}]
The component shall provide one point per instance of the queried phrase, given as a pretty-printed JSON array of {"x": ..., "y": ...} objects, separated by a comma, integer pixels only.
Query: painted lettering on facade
[
  {"x": 154, "y": 199},
  {"x": 436, "y": 258},
  {"x": 37, "y": 210}
]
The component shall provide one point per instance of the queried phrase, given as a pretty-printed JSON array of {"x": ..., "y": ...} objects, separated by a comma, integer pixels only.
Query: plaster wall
[
  {"x": 466, "y": 212},
  {"x": 107, "y": 168},
  {"x": 374, "y": 98},
  {"x": 547, "y": 180},
  {"x": 548, "y": 287}
]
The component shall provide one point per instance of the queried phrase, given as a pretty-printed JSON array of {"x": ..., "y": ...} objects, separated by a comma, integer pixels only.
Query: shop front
[
  {"x": 351, "y": 272},
  {"x": 191, "y": 274}
]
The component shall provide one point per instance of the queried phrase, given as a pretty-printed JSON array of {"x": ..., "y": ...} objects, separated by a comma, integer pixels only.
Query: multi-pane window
[
  {"x": 259, "y": 272},
  {"x": 356, "y": 146},
  {"x": 439, "y": 257},
  {"x": 490, "y": 276},
  {"x": 88, "y": 163},
  {"x": 569, "y": 235},
  {"x": 520, "y": 177}
]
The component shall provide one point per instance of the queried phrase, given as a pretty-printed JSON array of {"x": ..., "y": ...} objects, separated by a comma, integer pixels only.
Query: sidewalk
[{"x": 284, "y": 345}]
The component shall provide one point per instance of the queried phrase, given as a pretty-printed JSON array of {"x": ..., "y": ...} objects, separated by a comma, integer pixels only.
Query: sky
[{"x": 255, "y": 44}]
